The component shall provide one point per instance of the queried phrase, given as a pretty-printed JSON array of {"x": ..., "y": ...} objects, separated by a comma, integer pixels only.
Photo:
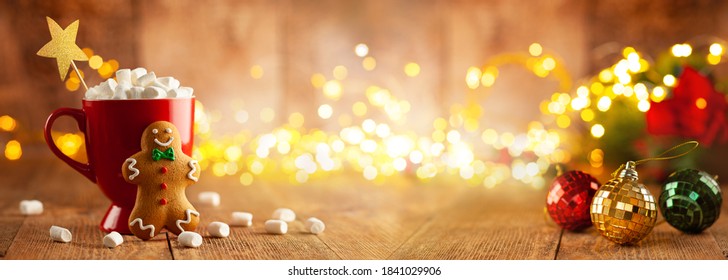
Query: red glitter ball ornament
[{"x": 569, "y": 198}]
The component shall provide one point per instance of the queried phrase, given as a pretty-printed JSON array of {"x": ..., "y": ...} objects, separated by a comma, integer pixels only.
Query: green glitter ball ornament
[{"x": 690, "y": 200}]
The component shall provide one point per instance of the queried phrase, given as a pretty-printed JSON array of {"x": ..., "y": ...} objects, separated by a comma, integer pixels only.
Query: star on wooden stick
[{"x": 63, "y": 47}]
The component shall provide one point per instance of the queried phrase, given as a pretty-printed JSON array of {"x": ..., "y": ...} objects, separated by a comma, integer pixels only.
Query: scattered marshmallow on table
[
  {"x": 190, "y": 239},
  {"x": 218, "y": 229},
  {"x": 276, "y": 227},
  {"x": 60, "y": 234},
  {"x": 209, "y": 198},
  {"x": 31, "y": 207},
  {"x": 242, "y": 219},
  {"x": 315, "y": 226},
  {"x": 284, "y": 214},
  {"x": 113, "y": 239}
]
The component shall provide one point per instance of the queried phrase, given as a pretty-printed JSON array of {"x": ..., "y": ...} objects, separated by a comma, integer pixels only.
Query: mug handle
[{"x": 80, "y": 117}]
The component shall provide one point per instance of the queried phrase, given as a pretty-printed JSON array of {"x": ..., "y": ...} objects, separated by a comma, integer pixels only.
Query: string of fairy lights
[{"x": 377, "y": 151}]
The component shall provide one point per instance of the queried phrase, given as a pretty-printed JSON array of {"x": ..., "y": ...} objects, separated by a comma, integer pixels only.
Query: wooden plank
[
  {"x": 664, "y": 243},
  {"x": 69, "y": 202},
  {"x": 9, "y": 227},
  {"x": 247, "y": 242},
  {"x": 366, "y": 220},
  {"x": 719, "y": 229},
  {"x": 503, "y": 223},
  {"x": 16, "y": 176},
  {"x": 33, "y": 240}
]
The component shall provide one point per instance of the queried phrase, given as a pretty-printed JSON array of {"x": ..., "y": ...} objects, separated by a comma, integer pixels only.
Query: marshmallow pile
[{"x": 138, "y": 84}]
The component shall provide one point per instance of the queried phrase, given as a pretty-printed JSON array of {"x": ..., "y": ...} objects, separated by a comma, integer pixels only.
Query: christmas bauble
[
  {"x": 690, "y": 200},
  {"x": 623, "y": 210},
  {"x": 569, "y": 198}
]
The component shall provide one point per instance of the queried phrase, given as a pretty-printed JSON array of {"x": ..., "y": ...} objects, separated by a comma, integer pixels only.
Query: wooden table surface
[{"x": 400, "y": 219}]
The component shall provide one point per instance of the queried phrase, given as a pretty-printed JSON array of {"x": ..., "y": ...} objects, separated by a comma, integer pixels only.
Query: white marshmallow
[
  {"x": 242, "y": 219},
  {"x": 182, "y": 92},
  {"x": 135, "y": 92},
  {"x": 190, "y": 239},
  {"x": 218, "y": 229},
  {"x": 91, "y": 93},
  {"x": 123, "y": 77},
  {"x": 146, "y": 80},
  {"x": 209, "y": 198},
  {"x": 284, "y": 214},
  {"x": 60, "y": 234},
  {"x": 154, "y": 92},
  {"x": 113, "y": 239},
  {"x": 315, "y": 226},
  {"x": 276, "y": 227},
  {"x": 167, "y": 83},
  {"x": 105, "y": 90},
  {"x": 121, "y": 91},
  {"x": 31, "y": 207},
  {"x": 136, "y": 74}
]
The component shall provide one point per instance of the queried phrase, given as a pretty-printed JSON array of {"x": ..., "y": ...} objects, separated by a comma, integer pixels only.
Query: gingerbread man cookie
[{"x": 162, "y": 172}]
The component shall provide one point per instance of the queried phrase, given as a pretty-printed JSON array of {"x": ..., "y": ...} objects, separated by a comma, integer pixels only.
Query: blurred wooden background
[{"x": 212, "y": 45}]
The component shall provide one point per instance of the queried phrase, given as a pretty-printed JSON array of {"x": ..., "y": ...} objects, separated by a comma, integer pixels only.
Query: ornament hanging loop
[{"x": 666, "y": 155}]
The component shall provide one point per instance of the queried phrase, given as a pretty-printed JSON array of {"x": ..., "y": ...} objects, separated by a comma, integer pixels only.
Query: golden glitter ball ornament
[{"x": 623, "y": 210}]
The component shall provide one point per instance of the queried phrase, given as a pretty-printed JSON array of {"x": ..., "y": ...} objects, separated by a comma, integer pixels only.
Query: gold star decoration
[{"x": 63, "y": 46}]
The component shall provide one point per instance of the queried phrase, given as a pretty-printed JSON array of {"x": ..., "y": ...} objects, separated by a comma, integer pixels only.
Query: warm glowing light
[
  {"x": 241, "y": 116},
  {"x": 69, "y": 143},
  {"x": 669, "y": 80},
  {"x": 370, "y": 173},
  {"x": 369, "y": 63},
  {"x": 716, "y": 49},
  {"x": 233, "y": 153},
  {"x": 535, "y": 49},
  {"x": 340, "y": 73},
  {"x": 626, "y": 52},
  {"x": 256, "y": 72},
  {"x": 453, "y": 136},
  {"x": 267, "y": 115},
  {"x": 416, "y": 157},
  {"x": 701, "y": 103},
  {"x": 412, "y": 69},
  {"x": 359, "y": 109},
  {"x": 489, "y": 136},
  {"x": 658, "y": 94},
  {"x": 7, "y": 123},
  {"x": 332, "y": 89},
  {"x": 606, "y": 76},
  {"x": 587, "y": 115},
  {"x": 472, "y": 78},
  {"x": 325, "y": 111},
  {"x": 361, "y": 50},
  {"x": 597, "y": 131},
  {"x": 604, "y": 103},
  {"x": 95, "y": 62},
  {"x": 369, "y": 126},
  {"x": 643, "y": 105},
  {"x": 563, "y": 121},
  {"x": 549, "y": 63},
  {"x": 296, "y": 120},
  {"x": 681, "y": 50},
  {"x": 318, "y": 80},
  {"x": 13, "y": 151},
  {"x": 713, "y": 59},
  {"x": 246, "y": 179}
]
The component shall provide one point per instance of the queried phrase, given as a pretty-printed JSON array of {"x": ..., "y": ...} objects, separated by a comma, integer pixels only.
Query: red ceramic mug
[{"x": 113, "y": 131}]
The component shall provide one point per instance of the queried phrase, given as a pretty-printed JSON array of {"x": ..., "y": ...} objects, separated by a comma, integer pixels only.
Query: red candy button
[
  {"x": 164, "y": 186},
  {"x": 163, "y": 201},
  {"x": 164, "y": 169}
]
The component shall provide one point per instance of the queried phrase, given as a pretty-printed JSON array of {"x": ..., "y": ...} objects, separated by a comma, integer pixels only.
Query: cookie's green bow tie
[{"x": 168, "y": 154}]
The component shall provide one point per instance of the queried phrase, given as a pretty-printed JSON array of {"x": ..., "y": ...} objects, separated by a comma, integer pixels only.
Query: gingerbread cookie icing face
[
  {"x": 162, "y": 172},
  {"x": 161, "y": 135}
]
